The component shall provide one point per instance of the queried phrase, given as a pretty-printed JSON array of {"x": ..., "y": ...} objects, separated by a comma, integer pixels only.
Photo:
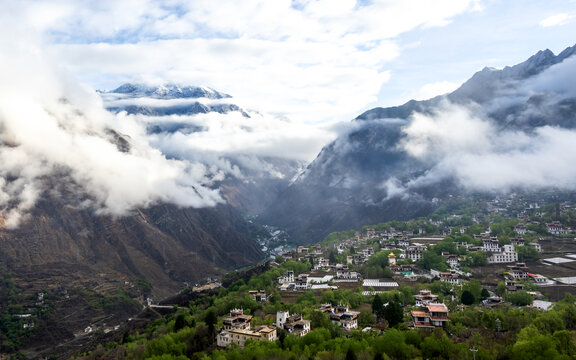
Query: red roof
[
  {"x": 419, "y": 313},
  {"x": 437, "y": 308}
]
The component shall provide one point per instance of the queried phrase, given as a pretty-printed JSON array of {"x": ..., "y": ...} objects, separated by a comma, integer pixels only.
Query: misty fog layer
[
  {"x": 53, "y": 128},
  {"x": 521, "y": 136},
  {"x": 483, "y": 157}
]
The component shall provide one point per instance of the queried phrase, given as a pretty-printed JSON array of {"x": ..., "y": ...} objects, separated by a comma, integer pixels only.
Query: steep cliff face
[
  {"x": 163, "y": 245},
  {"x": 346, "y": 186},
  {"x": 400, "y": 162}
]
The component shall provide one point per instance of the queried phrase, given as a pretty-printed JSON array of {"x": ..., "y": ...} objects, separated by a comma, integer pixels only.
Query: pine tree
[
  {"x": 332, "y": 257},
  {"x": 378, "y": 308},
  {"x": 467, "y": 298},
  {"x": 485, "y": 294},
  {"x": 350, "y": 355},
  {"x": 394, "y": 313}
]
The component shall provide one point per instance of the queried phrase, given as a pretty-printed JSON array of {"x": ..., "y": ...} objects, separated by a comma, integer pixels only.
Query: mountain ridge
[
  {"x": 370, "y": 176},
  {"x": 166, "y": 91},
  {"x": 251, "y": 182}
]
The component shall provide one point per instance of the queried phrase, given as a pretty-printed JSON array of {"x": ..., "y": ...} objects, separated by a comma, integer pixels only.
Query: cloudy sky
[
  {"x": 305, "y": 66},
  {"x": 312, "y": 61}
]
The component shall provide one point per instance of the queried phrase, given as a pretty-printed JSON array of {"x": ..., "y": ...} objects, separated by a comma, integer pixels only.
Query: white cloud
[
  {"x": 452, "y": 130},
  {"x": 462, "y": 144},
  {"x": 232, "y": 133},
  {"x": 556, "y": 79},
  {"x": 429, "y": 91},
  {"x": 313, "y": 61},
  {"x": 264, "y": 75},
  {"x": 556, "y": 20},
  {"x": 53, "y": 130}
]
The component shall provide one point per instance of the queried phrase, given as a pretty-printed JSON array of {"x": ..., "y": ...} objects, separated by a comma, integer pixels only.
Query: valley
[
  {"x": 135, "y": 231},
  {"x": 348, "y": 259},
  {"x": 351, "y": 269}
]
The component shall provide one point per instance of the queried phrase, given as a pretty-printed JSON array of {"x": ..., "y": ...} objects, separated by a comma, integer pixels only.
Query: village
[
  {"x": 426, "y": 276},
  {"x": 379, "y": 262}
]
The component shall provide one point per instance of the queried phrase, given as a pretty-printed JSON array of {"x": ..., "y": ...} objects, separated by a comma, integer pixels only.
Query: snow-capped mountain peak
[{"x": 167, "y": 91}]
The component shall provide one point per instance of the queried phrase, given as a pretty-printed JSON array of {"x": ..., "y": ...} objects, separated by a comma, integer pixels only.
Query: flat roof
[
  {"x": 368, "y": 293},
  {"x": 419, "y": 313},
  {"x": 378, "y": 283},
  {"x": 558, "y": 260},
  {"x": 428, "y": 238},
  {"x": 540, "y": 304},
  {"x": 266, "y": 330},
  {"x": 437, "y": 307},
  {"x": 570, "y": 280}
]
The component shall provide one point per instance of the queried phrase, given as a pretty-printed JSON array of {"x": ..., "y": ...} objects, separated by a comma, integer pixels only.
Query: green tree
[
  {"x": 532, "y": 345},
  {"x": 332, "y": 257},
  {"x": 366, "y": 318},
  {"x": 564, "y": 341},
  {"x": 432, "y": 260},
  {"x": 476, "y": 258},
  {"x": 408, "y": 295},
  {"x": 393, "y": 344},
  {"x": 549, "y": 322},
  {"x": 568, "y": 313},
  {"x": 437, "y": 346},
  {"x": 180, "y": 322},
  {"x": 394, "y": 313},
  {"x": 211, "y": 319},
  {"x": 485, "y": 294},
  {"x": 527, "y": 253},
  {"x": 446, "y": 245},
  {"x": 350, "y": 355},
  {"x": 539, "y": 228},
  {"x": 319, "y": 320},
  {"x": 378, "y": 308},
  {"x": 475, "y": 287},
  {"x": 519, "y": 298},
  {"x": 467, "y": 298},
  {"x": 501, "y": 288}
]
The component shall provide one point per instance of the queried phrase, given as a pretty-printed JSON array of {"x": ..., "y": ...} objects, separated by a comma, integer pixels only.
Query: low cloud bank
[
  {"x": 53, "y": 128},
  {"x": 463, "y": 143}
]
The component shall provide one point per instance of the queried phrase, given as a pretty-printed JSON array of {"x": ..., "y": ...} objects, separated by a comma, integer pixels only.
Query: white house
[
  {"x": 536, "y": 246},
  {"x": 520, "y": 229},
  {"x": 293, "y": 324},
  {"x": 342, "y": 315},
  {"x": 415, "y": 251},
  {"x": 287, "y": 278},
  {"x": 490, "y": 245},
  {"x": 556, "y": 228},
  {"x": 507, "y": 255},
  {"x": 453, "y": 261},
  {"x": 239, "y": 336},
  {"x": 347, "y": 274}
]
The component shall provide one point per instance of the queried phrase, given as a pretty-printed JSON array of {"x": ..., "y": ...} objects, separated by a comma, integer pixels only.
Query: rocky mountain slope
[
  {"x": 78, "y": 248},
  {"x": 400, "y": 162},
  {"x": 95, "y": 271},
  {"x": 65, "y": 216},
  {"x": 163, "y": 245}
]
